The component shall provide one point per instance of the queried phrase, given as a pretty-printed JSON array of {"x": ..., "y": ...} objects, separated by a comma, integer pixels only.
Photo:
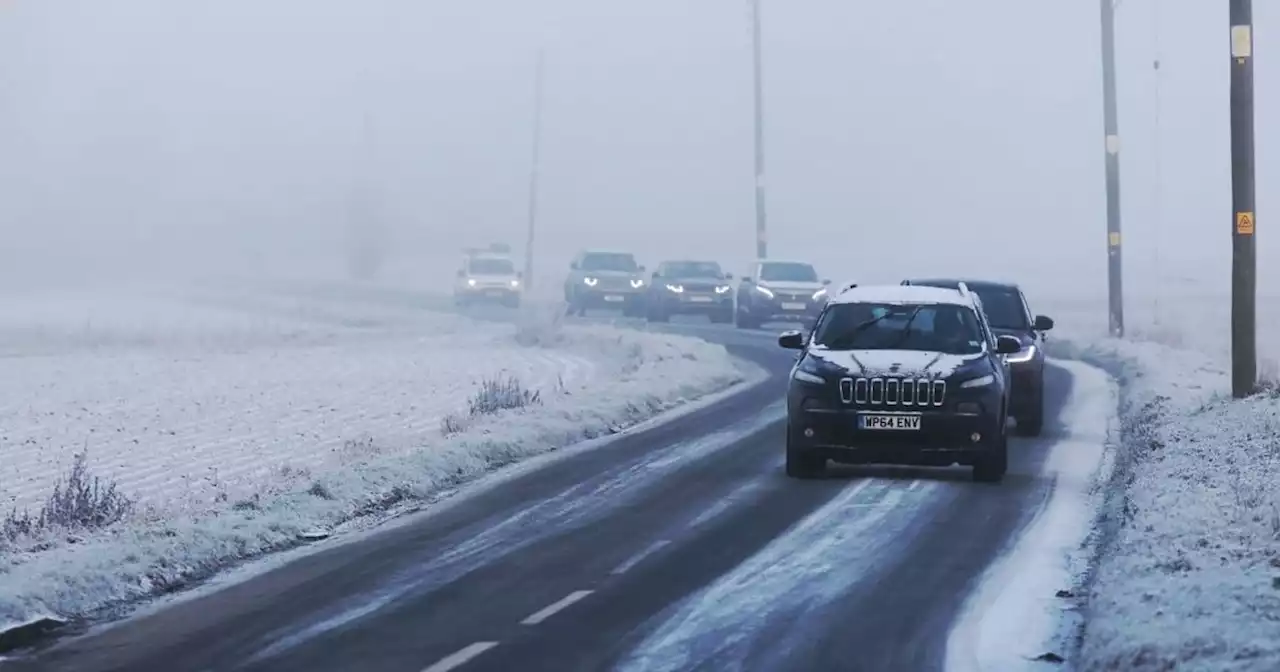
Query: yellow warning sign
[
  {"x": 1114, "y": 238},
  {"x": 1244, "y": 223}
]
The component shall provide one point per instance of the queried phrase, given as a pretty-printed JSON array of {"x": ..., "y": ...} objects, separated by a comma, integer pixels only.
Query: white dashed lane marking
[
  {"x": 460, "y": 657},
  {"x": 556, "y": 608},
  {"x": 639, "y": 557}
]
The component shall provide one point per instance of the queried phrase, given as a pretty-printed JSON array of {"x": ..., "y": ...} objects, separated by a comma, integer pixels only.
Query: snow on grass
[
  {"x": 1188, "y": 570},
  {"x": 235, "y": 449}
]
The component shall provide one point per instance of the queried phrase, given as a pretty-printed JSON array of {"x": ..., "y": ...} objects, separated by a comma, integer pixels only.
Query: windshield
[
  {"x": 693, "y": 269},
  {"x": 492, "y": 267},
  {"x": 604, "y": 261},
  {"x": 779, "y": 271},
  {"x": 1003, "y": 307},
  {"x": 873, "y": 326}
]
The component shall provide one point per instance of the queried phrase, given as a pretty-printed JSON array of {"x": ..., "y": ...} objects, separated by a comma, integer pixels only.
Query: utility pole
[
  {"x": 762, "y": 236},
  {"x": 1115, "y": 277},
  {"x": 533, "y": 172},
  {"x": 1244, "y": 285}
]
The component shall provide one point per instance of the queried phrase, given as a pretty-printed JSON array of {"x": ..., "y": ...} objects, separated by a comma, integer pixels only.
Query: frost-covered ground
[
  {"x": 241, "y": 422},
  {"x": 1188, "y": 575}
]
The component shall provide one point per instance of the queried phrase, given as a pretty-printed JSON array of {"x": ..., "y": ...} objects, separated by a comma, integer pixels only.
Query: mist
[{"x": 152, "y": 139}]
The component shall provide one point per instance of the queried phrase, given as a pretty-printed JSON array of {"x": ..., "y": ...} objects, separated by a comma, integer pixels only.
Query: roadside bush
[
  {"x": 80, "y": 501},
  {"x": 495, "y": 395}
]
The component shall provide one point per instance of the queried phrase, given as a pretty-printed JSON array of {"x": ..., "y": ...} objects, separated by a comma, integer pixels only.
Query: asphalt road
[{"x": 678, "y": 547}]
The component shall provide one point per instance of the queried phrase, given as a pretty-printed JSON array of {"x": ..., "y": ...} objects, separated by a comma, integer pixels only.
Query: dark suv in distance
[
  {"x": 899, "y": 375},
  {"x": 1007, "y": 311},
  {"x": 779, "y": 291},
  {"x": 602, "y": 279},
  {"x": 690, "y": 288}
]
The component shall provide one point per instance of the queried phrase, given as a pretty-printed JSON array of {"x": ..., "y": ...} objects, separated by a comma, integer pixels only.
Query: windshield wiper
[
  {"x": 847, "y": 340},
  {"x": 906, "y": 328}
]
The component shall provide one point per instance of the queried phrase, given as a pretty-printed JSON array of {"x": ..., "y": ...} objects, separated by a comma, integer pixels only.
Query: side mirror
[
  {"x": 1007, "y": 345},
  {"x": 573, "y": 265},
  {"x": 728, "y": 276},
  {"x": 461, "y": 273},
  {"x": 1043, "y": 323},
  {"x": 640, "y": 268},
  {"x": 519, "y": 275},
  {"x": 791, "y": 340},
  {"x": 826, "y": 281},
  {"x": 657, "y": 274},
  {"x": 747, "y": 279}
]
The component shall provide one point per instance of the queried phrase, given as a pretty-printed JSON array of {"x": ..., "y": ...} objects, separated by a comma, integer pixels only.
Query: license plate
[
  {"x": 613, "y": 298},
  {"x": 700, "y": 299},
  {"x": 793, "y": 306},
  {"x": 896, "y": 422}
]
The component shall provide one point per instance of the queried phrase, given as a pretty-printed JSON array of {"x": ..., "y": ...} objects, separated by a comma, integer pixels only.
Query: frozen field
[
  {"x": 240, "y": 423},
  {"x": 187, "y": 405}
]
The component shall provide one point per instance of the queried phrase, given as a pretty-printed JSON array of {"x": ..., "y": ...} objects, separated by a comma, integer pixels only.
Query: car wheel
[
  {"x": 992, "y": 465},
  {"x": 1032, "y": 423},
  {"x": 744, "y": 321},
  {"x": 802, "y": 465}
]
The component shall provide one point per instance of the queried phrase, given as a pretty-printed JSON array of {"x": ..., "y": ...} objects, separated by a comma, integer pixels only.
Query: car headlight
[
  {"x": 723, "y": 289},
  {"x": 764, "y": 290},
  {"x": 590, "y": 282},
  {"x": 515, "y": 283},
  {"x": 471, "y": 282},
  {"x": 806, "y": 372},
  {"x": 676, "y": 288},
  {"x": 982, "y": 381},
  {"x": 819, "y": 294},
  {"x": 1025, "y": 355},
  {"x": 637, "y": 284}
]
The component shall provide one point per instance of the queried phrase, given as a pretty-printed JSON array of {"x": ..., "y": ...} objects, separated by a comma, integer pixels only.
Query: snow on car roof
[
  {"x": 901, "y": 294},
  {"x": 782, "y": 261}
]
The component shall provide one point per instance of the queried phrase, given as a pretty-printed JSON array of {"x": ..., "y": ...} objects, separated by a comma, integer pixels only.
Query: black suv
[
  {"x": 1006, "y": 308},
  {"x": 690, "y": 288},
  {"x": 605, "y": 279},
  {"x": 899, "y": 375}
]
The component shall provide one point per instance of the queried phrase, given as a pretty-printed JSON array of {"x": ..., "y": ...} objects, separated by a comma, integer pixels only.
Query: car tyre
[
  {"x": 804, "y": 466},
  {"x": 744, "y": 320},
  {"x": 993, "y": 464},
  {"x": 1032, "y": 424}
]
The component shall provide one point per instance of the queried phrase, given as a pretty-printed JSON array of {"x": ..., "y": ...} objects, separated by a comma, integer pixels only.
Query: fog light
[
  {"x": 975, "y": 437},
  {"x": 808, "y": 433}
]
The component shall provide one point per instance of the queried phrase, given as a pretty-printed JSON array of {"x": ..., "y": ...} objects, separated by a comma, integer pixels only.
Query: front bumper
[
  {"x": 1027, "y": 384},
  {"x": 786, "y": 310},
  {"x": 944, "y": 438},
  {"x": 491, "y": 293},
  {"x": 611, "y": 297},
  {"x": 696, "y": 303}
]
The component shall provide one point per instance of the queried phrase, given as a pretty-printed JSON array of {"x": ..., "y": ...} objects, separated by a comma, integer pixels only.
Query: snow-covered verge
[
  {"x": 1187, "y": 570},
  {"x": 244, "y": 431}
]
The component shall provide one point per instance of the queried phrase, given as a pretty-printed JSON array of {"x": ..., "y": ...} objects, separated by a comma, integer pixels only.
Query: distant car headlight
[
  {"x": 637, "y": 284},
  {"x": 982, "y": 381},
  {"x": 764, "y": 290},
  {"x": 515, "y": 283},
  {"x": 1026, "y": 355},
  {"x": 471, "y": 282},
  {"x": 819, "y": 294},
  {"x": 590, "y": 282},
  {"x": 676, "y": 288},
  {"x": 723, "y": 289}
]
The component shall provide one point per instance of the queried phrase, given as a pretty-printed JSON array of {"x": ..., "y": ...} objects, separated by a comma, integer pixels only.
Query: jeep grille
[{"x": 893, "y": 391}]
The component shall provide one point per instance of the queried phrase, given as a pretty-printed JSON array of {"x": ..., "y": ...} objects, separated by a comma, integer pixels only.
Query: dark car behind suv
[
  {"x": 1006, "y": 308},
  {"x": 690, "y": 288},
  {"x": 899, "y": 375}
]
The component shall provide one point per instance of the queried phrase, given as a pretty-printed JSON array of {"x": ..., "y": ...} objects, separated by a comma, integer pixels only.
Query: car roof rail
[
  {"x": 906, "y": 283},
  {"x": 964, "y": 290},
  {"x": 852, "y": 285}
]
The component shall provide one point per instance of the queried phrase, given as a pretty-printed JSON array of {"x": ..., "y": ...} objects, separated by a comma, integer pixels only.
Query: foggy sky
[{"x": 902, "y": 138}]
